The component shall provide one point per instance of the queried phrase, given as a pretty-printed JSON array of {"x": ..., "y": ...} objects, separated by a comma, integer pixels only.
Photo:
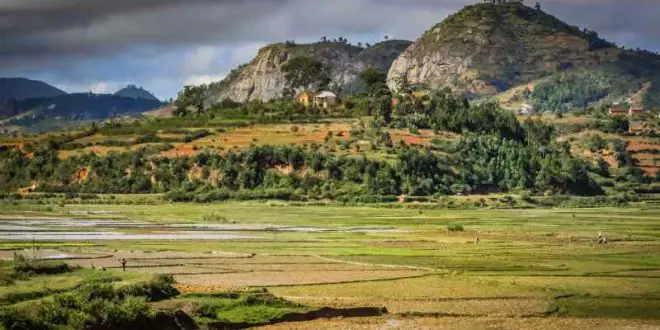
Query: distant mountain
[
  {"x": 134, "y": 92},
  {"x": 81, "y": 106},
  {"x": 21, "y": 89}
]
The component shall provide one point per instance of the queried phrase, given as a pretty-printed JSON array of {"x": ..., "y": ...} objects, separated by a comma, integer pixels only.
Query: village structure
[
  {"x": 619, "y": 109},
  {"x": 323, "y": 100}
]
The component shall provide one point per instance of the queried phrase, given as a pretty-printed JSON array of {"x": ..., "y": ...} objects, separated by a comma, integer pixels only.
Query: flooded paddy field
[
  {"x": 72, "y": 229},
  {"x": 529, "y": 266}
]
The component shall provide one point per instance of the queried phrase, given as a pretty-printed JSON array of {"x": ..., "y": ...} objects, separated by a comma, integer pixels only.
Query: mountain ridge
[
  {"x": 135, "y": 92},
  {"x": 18, "y": 89}
]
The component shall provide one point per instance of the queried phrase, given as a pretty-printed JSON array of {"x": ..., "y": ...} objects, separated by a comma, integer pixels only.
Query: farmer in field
[{"x": 123, "y": 264}]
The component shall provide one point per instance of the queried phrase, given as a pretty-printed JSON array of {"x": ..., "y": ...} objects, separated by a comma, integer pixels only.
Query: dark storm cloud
[
  {"x": 36, "y": 28},
  {"x": 73, "y": 39},
  {"x": 33, "y": 28}
]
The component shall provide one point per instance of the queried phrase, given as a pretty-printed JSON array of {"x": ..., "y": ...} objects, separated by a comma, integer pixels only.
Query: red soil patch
[
  {"x": 637, "y": 146},
  {"x": 180, "y": 151},
  {"x": 650, "y": 169},
  {"x": 80, "y": 175},
  {"x": 409, "y": 139}
]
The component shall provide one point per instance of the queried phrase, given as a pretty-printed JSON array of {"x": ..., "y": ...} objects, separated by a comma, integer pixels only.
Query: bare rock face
[
  {"x": 486, "y": 49},
  {"x": 263, "y": 78}
]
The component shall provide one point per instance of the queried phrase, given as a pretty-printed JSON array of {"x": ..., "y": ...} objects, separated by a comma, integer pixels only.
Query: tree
[
  {"x": 191, "y": 96},
  {"x": 385, "y": 109},
  {"x": 304, "y": 71},
  {"x": 372, "y": 76},
  {"x": 375, "y": 82},
  {"x": 595, "y": 143},
  {"x": 538, "y": 6}
]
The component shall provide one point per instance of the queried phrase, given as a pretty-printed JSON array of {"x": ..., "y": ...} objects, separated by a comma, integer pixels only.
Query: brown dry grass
[
  {"x": 413, "y": 288},
  {"x": 280, "y": 134},
  {"x": 508, "y": 307},
  {"x": 637, "y": 145},
  {"x": 532, "y": 323},
  {"x": 266, "y": 278}
]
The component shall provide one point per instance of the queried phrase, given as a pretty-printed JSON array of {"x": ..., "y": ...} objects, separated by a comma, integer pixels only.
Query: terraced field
[{"x": 533, "y": 268}]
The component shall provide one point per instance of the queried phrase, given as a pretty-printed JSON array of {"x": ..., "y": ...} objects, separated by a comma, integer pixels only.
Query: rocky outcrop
[
  {"x": 264, "y": 79},
  {"x": 486, "y": 49}
]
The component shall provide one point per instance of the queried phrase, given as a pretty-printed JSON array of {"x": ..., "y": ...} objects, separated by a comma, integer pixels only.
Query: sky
[{"x": 103, "y": 45}]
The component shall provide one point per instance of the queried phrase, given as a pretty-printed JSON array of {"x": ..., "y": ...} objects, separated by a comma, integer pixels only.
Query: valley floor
[{"x": 531, "y": 268}]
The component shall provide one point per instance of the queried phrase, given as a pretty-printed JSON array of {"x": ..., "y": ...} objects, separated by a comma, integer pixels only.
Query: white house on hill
[{"x": 325, "y": 99}]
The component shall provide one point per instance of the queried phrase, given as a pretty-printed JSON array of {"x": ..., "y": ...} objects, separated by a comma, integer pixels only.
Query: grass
[
  {"x": 253, "y": 308},
  {"x": 528, "y": 261}
]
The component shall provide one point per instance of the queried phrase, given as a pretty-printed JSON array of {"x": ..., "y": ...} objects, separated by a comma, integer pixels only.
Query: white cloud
[
  {"x": 202, "y": 79},
  {"x": 99, "y": 88},
  {"x": 200, "y": 60}
]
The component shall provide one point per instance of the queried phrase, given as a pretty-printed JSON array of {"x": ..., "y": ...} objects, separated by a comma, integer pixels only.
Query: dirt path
[{"x": 381, "y": 265}]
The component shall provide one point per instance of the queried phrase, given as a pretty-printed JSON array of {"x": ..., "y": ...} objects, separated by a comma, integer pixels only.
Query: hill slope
[
  {"x": 134, "y": 92},
  {"x": 21, "y": 89},
  {"x": 264, "y": 77},
  {"x": 485, "y": 49}
]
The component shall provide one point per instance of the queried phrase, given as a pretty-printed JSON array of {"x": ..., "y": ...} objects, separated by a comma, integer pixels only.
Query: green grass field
[{"x": 538, "y": 263}]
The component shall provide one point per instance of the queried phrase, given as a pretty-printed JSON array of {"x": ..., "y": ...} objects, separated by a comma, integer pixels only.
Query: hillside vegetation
[{"x": 487, "y": 49}]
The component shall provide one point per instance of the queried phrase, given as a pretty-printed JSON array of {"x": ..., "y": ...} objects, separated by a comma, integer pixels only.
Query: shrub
[
  {"x": 215, "y": 217},
  {"x": 207, "y": 310},
  {"x": 148, "y": 138},
  {"x": 94, "y": 306},
  {"x": 159, "y": 288},
  {"x": 41, "y": 267},
  {"x": 196, "y": 135},
  {"x": 455, "y": 227}
]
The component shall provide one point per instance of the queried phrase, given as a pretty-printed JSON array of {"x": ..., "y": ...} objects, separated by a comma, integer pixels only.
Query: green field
[{"x": 420, "y": 264}]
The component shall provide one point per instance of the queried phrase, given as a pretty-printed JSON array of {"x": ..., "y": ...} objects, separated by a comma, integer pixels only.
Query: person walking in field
[{"x": 123, "y": 264}]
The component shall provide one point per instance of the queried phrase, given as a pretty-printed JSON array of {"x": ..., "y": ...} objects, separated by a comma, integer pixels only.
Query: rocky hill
[
  {"x": 488, "y": 48},
  {"x": 21, "y": 89},
  {"x": 264, "y": 77},
  {"x": 134, "y": 92}
]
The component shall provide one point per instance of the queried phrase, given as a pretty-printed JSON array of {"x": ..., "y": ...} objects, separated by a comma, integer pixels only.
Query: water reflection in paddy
[{"x": 64, "y": 229}]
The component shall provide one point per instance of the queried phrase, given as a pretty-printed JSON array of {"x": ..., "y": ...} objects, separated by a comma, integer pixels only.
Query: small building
[
  {"x": 325, "y": 100},
  {"x": 305, "y": 98},
  {"x": 636, "y": 110},
  {"x": 618, "y": 110},
  {"x": 637, "y": 127}
]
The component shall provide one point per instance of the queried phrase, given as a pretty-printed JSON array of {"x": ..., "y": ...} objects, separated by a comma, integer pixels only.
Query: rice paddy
[{"x": 531, "y": 268}]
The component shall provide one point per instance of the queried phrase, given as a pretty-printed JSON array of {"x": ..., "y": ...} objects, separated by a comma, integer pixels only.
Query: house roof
[
  {"x": 325, "y": 94},
  {"x": 618, "y": 108},
  {"x": 304, "y": 93}
]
